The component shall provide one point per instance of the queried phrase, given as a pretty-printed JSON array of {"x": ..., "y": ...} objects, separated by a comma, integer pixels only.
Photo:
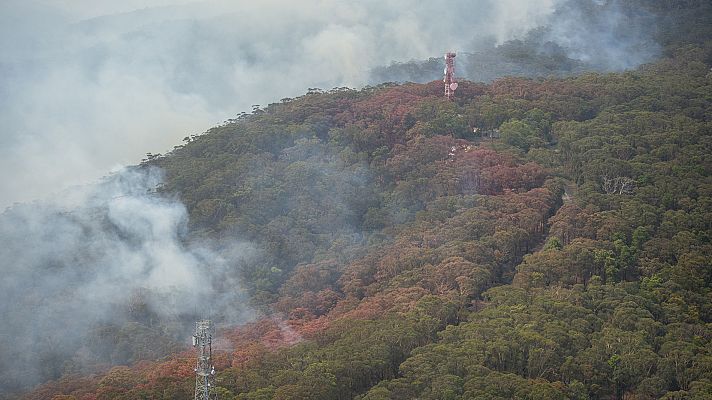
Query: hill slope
[{"x": 400, "y": 253}]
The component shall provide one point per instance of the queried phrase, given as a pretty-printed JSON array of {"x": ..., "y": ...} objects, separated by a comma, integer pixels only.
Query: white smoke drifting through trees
[
  {"x": 80, "y": 96},
  {"x": 83, "y": 90},
  {"x": 85, "y": 259}
]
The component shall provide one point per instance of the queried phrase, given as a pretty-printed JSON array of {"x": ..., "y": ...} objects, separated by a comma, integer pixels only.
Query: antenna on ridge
[
  {"x": 449, "y": 80},
  {"x": 204, "y": 368}
]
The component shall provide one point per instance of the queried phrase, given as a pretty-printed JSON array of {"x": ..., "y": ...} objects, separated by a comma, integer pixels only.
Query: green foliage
[
  {"x": 418, "y": 261},
  {"x": 520, "y": 134}
]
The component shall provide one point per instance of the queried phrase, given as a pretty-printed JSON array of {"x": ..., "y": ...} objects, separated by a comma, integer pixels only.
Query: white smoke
[
  {"x": 79, "y": 261},
  {"x": 83, "y": 89},
  {"x": 609, "y": 35}
]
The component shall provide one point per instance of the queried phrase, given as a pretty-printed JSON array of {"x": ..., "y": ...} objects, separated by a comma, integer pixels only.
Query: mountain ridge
[
  {"x": 535, "y": 238},
  {"x": 400, "y": 255}
]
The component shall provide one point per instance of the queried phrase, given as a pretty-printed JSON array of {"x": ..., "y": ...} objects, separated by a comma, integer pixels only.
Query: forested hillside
[{"x": 532, "y": 239}]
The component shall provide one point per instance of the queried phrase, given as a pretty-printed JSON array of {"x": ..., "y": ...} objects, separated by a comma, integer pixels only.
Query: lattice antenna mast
[
  {"x": 450, "y": 83},
  {"x": 204, "y": 369}
]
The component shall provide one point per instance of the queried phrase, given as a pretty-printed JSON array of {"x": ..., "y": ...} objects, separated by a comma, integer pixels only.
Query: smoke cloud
[
  {"x": 111, "y": 256},
  {"x": 608, "y": 35},
  {"x": 87, "y": 85},
  {"x": 578, "y": 36}
]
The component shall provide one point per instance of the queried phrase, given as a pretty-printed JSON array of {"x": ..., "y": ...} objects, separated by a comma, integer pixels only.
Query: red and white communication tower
[{"x": 450, "y": 84}]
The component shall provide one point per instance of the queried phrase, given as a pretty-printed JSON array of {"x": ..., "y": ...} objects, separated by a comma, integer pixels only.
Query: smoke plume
[
  {"x": 577, "y": 36},
  {"x": 111, "y": 257},
  {"x": 88, "y": 85}
]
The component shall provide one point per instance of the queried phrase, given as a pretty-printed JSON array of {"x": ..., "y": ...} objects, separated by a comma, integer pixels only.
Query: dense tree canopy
[{"x": 404, "y": 253}]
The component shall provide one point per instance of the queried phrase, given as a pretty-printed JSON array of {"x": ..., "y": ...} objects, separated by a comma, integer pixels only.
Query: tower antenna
[
  {"x": 450, "y": 83},
  {"x": 204, "y": 369}
]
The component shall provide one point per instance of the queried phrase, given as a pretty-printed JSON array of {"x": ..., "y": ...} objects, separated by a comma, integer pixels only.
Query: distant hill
[{"x": 582, "y": 35}]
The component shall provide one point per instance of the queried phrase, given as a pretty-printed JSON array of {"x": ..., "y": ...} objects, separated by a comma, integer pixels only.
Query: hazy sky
[{"x": 87, "y": 85}]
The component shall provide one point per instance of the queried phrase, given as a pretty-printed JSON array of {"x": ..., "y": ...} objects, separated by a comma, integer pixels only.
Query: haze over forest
[
  {"x": 88, "y": 86},
  {"x": 292, "y": 171}
]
